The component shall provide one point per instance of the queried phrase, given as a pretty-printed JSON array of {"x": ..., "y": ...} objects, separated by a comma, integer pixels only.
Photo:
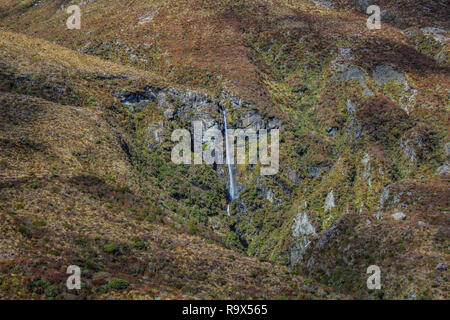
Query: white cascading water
[{"x": 229, "y": 161}]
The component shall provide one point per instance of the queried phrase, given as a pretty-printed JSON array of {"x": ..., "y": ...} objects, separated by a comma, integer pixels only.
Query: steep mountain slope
[
  {"x": 71, "y": 195},
  {"x": 363, "y": 118}
]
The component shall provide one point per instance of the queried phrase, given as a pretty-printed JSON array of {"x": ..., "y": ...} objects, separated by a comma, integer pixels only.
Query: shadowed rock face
[{"x": 252, "y": 119}]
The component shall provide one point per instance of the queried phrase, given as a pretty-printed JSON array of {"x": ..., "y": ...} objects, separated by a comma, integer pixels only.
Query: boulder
[
  {"x": 384, "y": 73},
  {"x": 399, "y": 216},
  {"x": 444, "y": 169},
  {"x": 442, "y": 266},
  {"x": 422, "y": 224}
]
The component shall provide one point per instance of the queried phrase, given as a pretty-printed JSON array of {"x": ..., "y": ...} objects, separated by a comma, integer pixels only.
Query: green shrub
[
  {"x": 118, "y": 284},
  {"x": 139, "y": 244},
  {"x": 193, "y": 229},
  {"x": 253, "y": 273},
  {"x": 50, "y": 291},
  {"x": 43, "y": 286},
  {"x": 39, "y": 223},
  {"x": 110, "y": 248},
  {"x": 23, "y": 230}
]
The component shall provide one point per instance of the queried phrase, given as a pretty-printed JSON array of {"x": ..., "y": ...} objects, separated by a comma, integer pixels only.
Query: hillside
[
  {"x": 70, "y": 195},
  {"x": 86, "y": 170}
]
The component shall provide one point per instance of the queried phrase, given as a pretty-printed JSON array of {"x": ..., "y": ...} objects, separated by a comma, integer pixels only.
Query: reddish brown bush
[{"x": 383, "y": 120}]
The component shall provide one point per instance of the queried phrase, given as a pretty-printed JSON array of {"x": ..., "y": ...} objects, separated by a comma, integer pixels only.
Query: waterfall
[{"x": 232, "y": 192}]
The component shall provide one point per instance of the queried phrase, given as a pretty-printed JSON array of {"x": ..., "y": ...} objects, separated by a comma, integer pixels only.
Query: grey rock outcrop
[
  {"x": 399, "y": 216},
  {"x": 353, "y": 72},
  {"x": 273, "y": 123},
  {"x": 149, "y": 16},
  {"x": 442, "y": 266},
  {"x": 235, "y": 102},
  {"x": 438, "y": 34},
  {"x": 329, "y": 201},
  {"x": 332, "y": 131},
  {"x": 251, "y": 119},
  {"x": 411, "y": 147},
  {"x": 362, "y": 5},
  {"x": 326, "y": 4},
  {"x": 351, "y": 109},
  {"x": 384, "y": 197},
  {"x": 293, "y": 175},
  {"x": 155, "y": 134},
  {"x": 343, "y": 65},
  {"x": 367, "y": 169},
  {"x": 302, "y": 232},
  {"x": 384, "y": 73},
  {"x": 169, "y": 113},
  {"x": 445, "y": 168},
  {"x": 354, "y": 129},
  {"x": 317, "y": 170},
  {"x": 326, "y": 236}
]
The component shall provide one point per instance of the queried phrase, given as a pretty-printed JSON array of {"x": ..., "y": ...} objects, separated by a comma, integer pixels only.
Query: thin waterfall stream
[{"x": 232, "y": 192}]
